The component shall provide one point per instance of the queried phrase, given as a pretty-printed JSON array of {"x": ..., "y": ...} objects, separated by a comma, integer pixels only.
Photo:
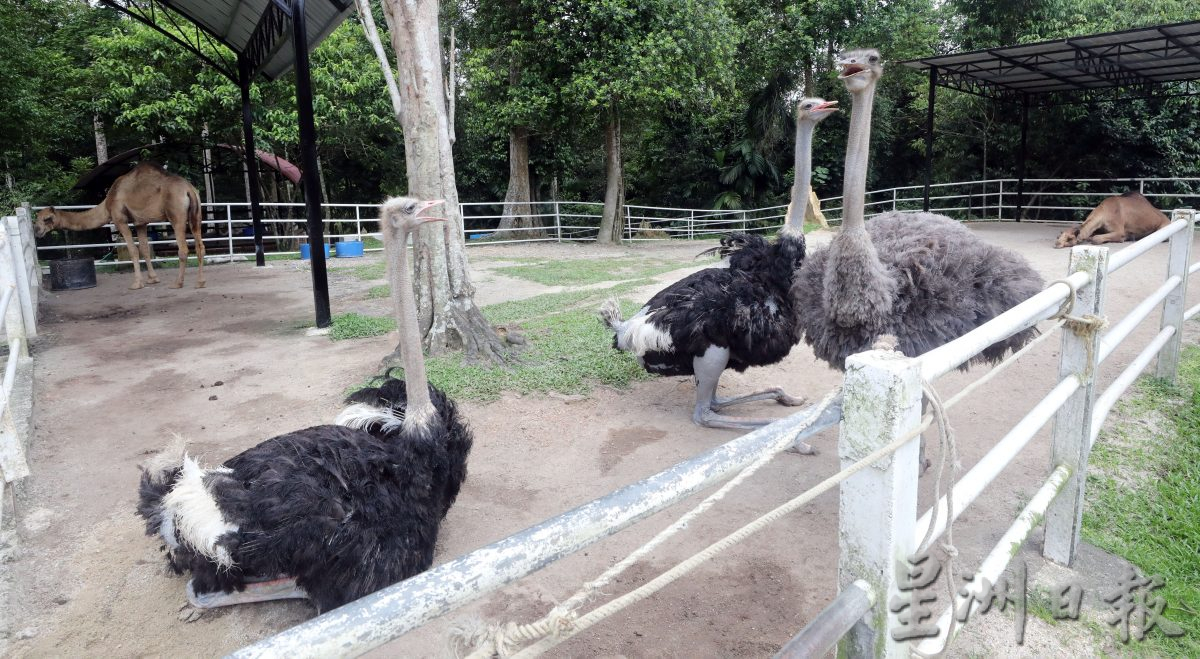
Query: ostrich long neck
[
  {"x": 419, "y": 409},
  {"x": 92, "y": 218},
  {"x": 801, "y": 189},
  {"x": 858, "y": 148},
  {"x": 859, "y": 291}
]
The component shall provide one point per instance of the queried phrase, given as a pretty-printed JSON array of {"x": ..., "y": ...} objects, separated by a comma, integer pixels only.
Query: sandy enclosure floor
[{"x": 227, "y": 366}]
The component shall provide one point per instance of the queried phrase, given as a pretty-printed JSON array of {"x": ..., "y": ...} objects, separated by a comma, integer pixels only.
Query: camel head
[
  {"x": 1068, "y": 238},
  {"x": 859, "y": 68},
  {"x": 45, "y": 221},
  {"x": 815, "y": 110},
  {"x": 404, "y": 213}
]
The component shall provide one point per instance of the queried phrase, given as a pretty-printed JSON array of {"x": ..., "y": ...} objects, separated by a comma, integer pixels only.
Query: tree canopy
[{"x": 702, "y": 92}]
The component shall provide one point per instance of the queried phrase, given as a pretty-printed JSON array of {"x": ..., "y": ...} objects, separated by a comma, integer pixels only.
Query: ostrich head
[
  {"x": 45, "y": 222},
  {"x": 859, "y": 69},
  {"x": 404, "y": 213},
  {"x": 815, "y": 110}
]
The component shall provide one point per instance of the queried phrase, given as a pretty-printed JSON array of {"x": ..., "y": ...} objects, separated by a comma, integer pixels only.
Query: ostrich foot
[
  {"x": 802, "y": 448},
  {"x": 710, "y": 419},
  {"x": 774, "y": 393},
  {"x": 262, "y": 591},
  {"x": 189, "y": 613}
]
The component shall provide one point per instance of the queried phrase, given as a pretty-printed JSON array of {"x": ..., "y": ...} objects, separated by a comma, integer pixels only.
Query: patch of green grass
[
  {"x": 567, "y": 352},
  {"x": 505, "y": 313},
  {"x": 1143, "y": 491},
  {"x": 358, "y": 326},
  {"x": 371, "y": 242},
  {"x": 580, "y": 272},
  {"x": 283, "y": 257},
  {"x": 376, "y": 292},
  {"x": 369, "y": 271}
]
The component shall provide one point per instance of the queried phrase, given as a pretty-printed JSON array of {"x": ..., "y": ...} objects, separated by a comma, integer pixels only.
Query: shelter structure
[
  {"x": 268, "y": 38},
  {"x": 1149, "y": 62}
]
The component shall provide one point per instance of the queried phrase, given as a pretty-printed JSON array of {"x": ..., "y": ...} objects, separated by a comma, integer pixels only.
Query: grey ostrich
[
  {"x": 728, "y": 317},
  {"x": 920, "y": 277}
]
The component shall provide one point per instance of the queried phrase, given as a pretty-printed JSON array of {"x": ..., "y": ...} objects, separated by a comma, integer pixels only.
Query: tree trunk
[
  {"x": 449, "y": 319},
  {"x": 517, "y": 210},
  {"x": 101, "y": 139},
  {"x": 389, "y": 78},
  {"x": 612, "y": 222}
]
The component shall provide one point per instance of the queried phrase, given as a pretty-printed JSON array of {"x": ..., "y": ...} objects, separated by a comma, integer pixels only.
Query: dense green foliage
[{"x": 704, "y": 89}]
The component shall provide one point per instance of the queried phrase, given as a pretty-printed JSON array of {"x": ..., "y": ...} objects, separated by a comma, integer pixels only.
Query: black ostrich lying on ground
[{"x": 331, "y": 512}]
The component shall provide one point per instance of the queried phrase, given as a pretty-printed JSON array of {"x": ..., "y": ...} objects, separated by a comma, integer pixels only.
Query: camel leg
[
  {"x": 262, "y": 591},
  {"x": 198, "y": 236},
  {"x": 708, "y": 369},
  {"x": 181, "y": 240},
  {"x": 147, "y": 253},
  {"x": 123, "y": 227},
  {"x": 1112, "y": 237}
]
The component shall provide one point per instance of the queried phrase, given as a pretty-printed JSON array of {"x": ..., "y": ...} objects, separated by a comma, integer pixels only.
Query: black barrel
[{"x": 70, "y": 274}]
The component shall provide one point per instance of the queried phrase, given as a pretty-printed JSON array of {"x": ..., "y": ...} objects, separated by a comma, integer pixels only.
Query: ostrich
[
  {"x": 329, "y": 513},
  {"x": 920, "y": 277},
  {"x": 733, "y": 317}
]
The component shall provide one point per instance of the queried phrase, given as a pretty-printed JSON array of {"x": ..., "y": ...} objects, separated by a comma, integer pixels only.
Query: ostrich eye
[
  {"x": 874, "y": 59},
  {"x": 411, "y": 207}
]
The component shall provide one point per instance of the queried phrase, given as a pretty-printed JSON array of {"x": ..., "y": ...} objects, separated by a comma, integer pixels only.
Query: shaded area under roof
[
  {"x": 260, "y": 29},
  {"x": 1152, "y": 61}
]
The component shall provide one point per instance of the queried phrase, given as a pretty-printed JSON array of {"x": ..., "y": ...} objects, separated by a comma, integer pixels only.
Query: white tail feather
[
  {"x": 197, "y": 517},
  {"x": 361, "y": 416}
]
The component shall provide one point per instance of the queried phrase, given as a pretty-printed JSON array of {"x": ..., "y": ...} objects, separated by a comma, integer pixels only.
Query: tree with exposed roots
[{"x": 449, "y": 319}]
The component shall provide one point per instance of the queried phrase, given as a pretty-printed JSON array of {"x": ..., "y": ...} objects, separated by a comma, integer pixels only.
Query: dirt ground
[{"x": 227, "y": 366}]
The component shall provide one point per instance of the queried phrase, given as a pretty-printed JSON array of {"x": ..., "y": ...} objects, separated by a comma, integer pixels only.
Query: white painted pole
[
  {"x": 878, "y": 505},
  {"x": 1071, "y": 438},
  {"x": 16, "y": 250},
  {"x": 1174, "y": 304},
  {"x": 14, "y": 325}
]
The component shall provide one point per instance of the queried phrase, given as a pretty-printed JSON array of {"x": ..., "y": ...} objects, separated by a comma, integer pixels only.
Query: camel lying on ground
[
  {"x": 143, "y": 195},
  {"x": 1128, "y": 217}
]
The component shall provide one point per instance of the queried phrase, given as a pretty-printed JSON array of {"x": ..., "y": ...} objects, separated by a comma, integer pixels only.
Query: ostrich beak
[
  {"x": 827, "y": 106},
  {"x": 849, "y": 68},
  {"x": 426, "y": 206}
]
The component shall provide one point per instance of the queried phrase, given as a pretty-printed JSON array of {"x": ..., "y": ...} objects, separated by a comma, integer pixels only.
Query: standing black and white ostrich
[
  {"x": 923, "y": 278},
  {"x": 331, "y": 512},
  {"x": 728, "y": 317}
]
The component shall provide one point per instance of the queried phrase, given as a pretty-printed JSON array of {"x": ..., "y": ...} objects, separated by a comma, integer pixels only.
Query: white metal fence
[
  {"x": 228, "y": 232},
  {"x": 878, "y": 447},
  {"x": 20, "y": 285}
]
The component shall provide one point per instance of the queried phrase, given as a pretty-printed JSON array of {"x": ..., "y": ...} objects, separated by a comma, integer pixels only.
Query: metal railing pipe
[
  {"x": 1106, "y": 400},
  {"x": 946, "y": 358},
  {"x": 971, "y": 485},
  {"x": 1123, "y": 257},
  {"x": 831, "y": 624},
  {"x": 1117, "y": 333}
]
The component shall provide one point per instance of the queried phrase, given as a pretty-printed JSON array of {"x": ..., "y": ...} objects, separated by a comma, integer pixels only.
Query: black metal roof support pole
[
  {"x": 1021, "y": 156},
  {"x": 245, "y": 75},
  {"x": 933, "y": 79},
  {"x": 308, "y": 153}
]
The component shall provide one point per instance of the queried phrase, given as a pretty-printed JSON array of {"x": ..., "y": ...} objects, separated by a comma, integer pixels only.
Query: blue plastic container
[
  {"x": 349, "y": 249},
  {"x": 306, "y": 252}
]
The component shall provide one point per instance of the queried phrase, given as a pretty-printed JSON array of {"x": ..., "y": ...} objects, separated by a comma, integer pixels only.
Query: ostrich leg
[
  {"x": 708, "y": 369},
  {"x": 774, "y": 393},
  {"x": 258, "y": 591}
]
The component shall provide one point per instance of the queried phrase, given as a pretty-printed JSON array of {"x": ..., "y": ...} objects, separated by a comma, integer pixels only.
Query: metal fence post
[
  {"x": 1072, "y": 438},
  {"x": 878, "y": 505},
  {"x": 1000, "y": 202},
  {"x": 1175, "y": 303},
  {"x": 14, "y": 324},
  {"x": 894, "y": 195},
  {"x": 229, "y": 229}
]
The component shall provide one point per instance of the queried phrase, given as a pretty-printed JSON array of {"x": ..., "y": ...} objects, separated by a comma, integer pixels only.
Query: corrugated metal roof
[
  {"x": 260, "y": 29},
  {"x": 1139, "y": 60}
]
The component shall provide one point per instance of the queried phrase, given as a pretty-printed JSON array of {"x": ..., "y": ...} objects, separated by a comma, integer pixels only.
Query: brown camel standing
[
  {"x": 143, "y": 195},
  {"x": 1127, "y": 217}
]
